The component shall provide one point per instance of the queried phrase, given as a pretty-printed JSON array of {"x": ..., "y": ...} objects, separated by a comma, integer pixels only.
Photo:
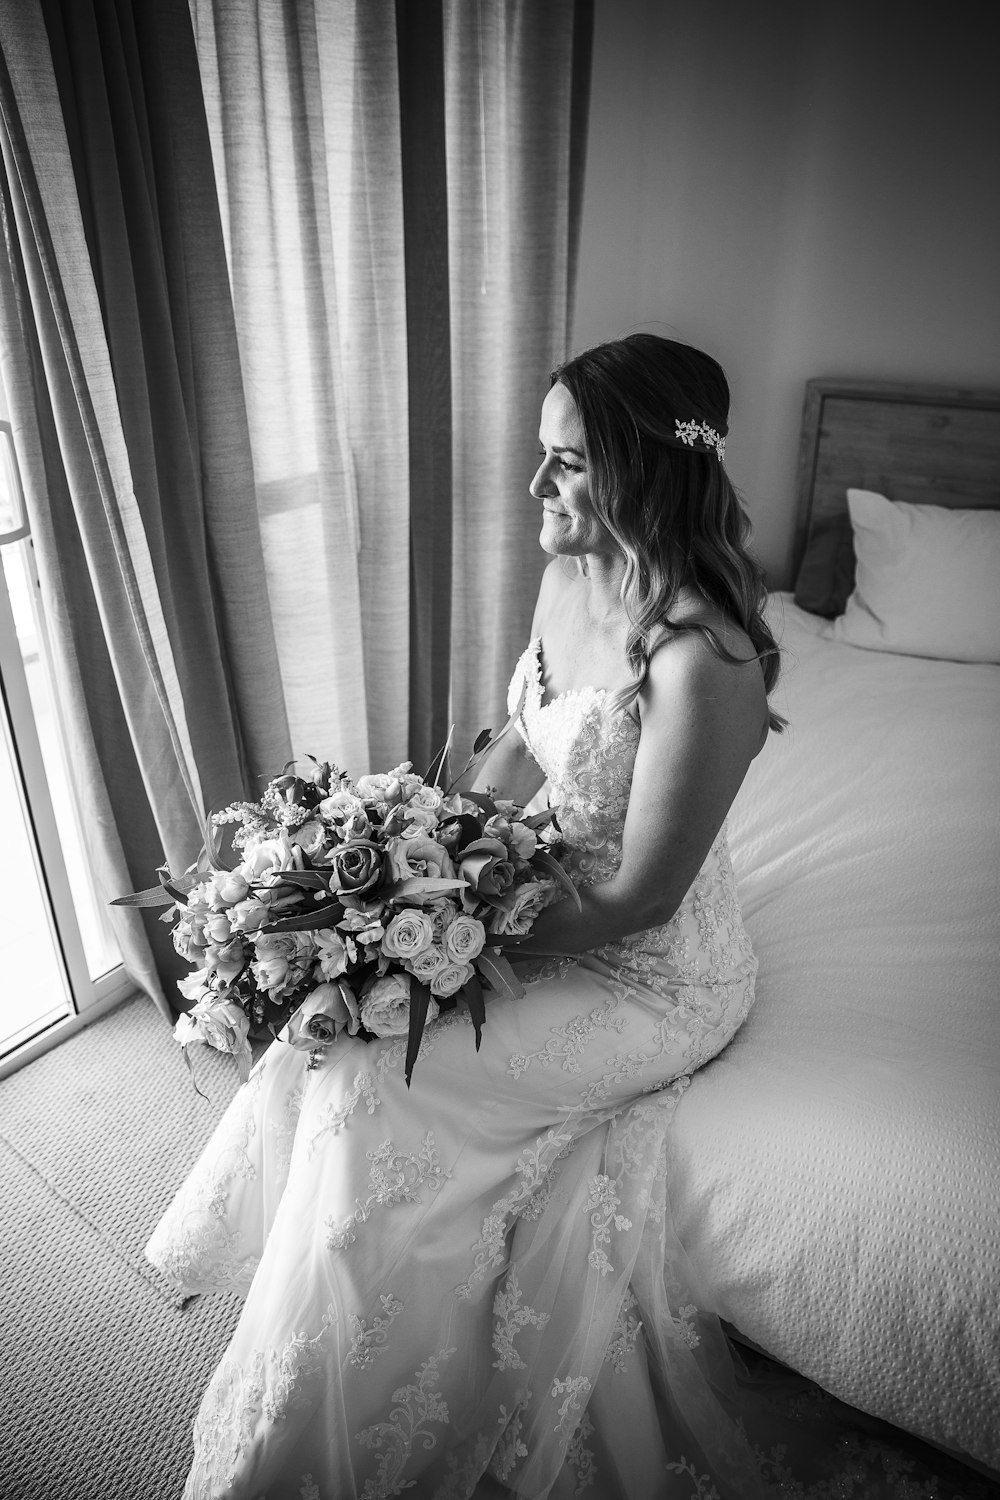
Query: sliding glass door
[{"x": 58, "y": 959}]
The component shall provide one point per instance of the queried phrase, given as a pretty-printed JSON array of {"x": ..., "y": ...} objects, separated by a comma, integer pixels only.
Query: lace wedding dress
[{"x": 471, "y": 1287}]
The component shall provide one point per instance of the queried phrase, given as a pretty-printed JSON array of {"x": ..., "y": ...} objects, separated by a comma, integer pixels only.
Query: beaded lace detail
[{"x": 587, "y": 750}]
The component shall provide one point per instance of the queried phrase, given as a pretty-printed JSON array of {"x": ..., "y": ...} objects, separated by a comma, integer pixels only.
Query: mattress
[{"x": 836, "y": 1169}]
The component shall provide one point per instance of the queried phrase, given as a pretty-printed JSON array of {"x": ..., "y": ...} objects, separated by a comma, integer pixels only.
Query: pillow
[{"x": 927, "y": 580}]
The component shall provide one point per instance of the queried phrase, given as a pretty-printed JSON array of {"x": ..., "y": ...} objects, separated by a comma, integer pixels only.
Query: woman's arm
[
  {"x": 703, "y": 720},
  {"x": 508, "y": 770}
]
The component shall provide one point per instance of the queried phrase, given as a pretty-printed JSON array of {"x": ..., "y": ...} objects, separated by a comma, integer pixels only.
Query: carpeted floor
[{"x": 101, "y": 1365}]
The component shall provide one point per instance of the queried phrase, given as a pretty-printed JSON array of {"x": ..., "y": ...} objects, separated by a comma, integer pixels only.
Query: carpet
[{"x": 111, "y": 1122}]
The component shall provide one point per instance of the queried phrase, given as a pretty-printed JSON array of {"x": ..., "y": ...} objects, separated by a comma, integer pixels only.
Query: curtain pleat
[
  {"x": 515, "y": 81},
  {"x": 152, "y": 533},
  {"x": 420, "y": 35}
]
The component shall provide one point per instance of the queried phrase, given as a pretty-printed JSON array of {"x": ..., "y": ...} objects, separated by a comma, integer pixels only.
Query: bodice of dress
[{"x": 587, "y": 751}]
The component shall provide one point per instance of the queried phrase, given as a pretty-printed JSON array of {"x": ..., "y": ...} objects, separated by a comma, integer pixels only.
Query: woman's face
[{"x": 570, "y": 525}]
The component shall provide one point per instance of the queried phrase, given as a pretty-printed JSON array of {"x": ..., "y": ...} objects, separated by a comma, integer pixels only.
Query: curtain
[
  {"x": 278, "y": 419},
  {"x": 400, "y": 186},
  {"x": 123, "y": 378}
]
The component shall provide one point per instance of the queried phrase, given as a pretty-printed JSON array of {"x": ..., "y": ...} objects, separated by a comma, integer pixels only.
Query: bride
[{"x": 472, "y": 1287}]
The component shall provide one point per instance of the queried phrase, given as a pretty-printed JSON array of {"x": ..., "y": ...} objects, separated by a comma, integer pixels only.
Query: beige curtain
[
  {"x": 399, "y": 185},
  {"x": 302, "y": 102},
  {"x": 517, "y": 81},
  {"x": 124, "y": 387}
]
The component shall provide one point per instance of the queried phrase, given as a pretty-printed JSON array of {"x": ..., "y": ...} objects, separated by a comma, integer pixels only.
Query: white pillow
[{"x": 927, "y": 581}]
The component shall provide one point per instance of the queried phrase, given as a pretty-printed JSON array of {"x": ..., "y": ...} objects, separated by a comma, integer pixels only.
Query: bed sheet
[{"x": 836, "y": 1170}]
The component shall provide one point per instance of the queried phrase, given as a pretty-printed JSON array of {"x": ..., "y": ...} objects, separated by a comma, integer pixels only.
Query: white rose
[
  {"x": 408, "y": 934},
  {"x": 450, "y": 979},
  {"x": 309, "y": 837},
  {"x": 229, "y": 887},
  {"x": 248, "y": 915},
  {"x": 427, "y": 797},
  {"x": 267, "y": 857},
  {"x": 418, "y": 820},
  {"x": 464, "y": 938},
  {"x": 194, "y": 986},
  {"x": 373, "y": 788},
  {"x": 427, "y": 964},
  {"x": 518, "y": 909},
  {"x": 385, "y": 1010},
  {"x": 217, "y": 927},
  {"x": 340, "y": 806},
  {"x": 222, "y": 1024}
]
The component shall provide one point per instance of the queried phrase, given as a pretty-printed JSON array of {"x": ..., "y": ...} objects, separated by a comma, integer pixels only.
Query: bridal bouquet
[{"x": 363, "y": 905}]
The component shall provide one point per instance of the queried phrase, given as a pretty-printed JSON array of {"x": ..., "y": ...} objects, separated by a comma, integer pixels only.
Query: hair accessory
[{"x": 690, "y": 432}]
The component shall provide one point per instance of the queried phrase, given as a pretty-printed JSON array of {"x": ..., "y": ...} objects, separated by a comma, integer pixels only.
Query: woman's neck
[{"x": 602, "y": 576}]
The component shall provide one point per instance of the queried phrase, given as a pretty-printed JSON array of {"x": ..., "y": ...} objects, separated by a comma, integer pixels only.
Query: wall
[{"x": 801, "y": 190}]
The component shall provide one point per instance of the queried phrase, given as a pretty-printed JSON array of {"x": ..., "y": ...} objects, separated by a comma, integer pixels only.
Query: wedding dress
[{"x": 472, "y": 1286}]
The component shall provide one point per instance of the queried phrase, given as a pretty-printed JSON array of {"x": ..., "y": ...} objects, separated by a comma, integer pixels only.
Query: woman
[{"x": 472, "y": 1287}]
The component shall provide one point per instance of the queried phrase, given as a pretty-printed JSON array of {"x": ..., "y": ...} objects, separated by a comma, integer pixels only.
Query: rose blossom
[
  {"x": 249, "y": 915},
  {"x": 339, "y": 806},
  {"x": 519, "y": 908},
  {"x": 450, "y": 979},
  {"x": 427, "y": 797},
  {"x": 217, "y": 927},
  {"x": 281, "y": 957},
  {"x": 356, "y": 867},
  {"x": 327, "y": 1009},
  {"x": 427, "y": 964},
  {"x": 264, "y": 859},
  {"x": 309, "y": 836},
  {"x": 228, "y": 887},
  {"x": 195, "y": 986},
  {"x": 385, "y": 1009},
  {"x": 189, "y": 935},
  {"x": 407, "y": 935},
  {"x": 226, "y": 959},
  {"x": 420, "y": 857},
  {"x": 222, "y": 1024},
  {"x": 464, "y": 939},
  {"x": 484, "y": 864},
  {"x": 418, "y": 820}
]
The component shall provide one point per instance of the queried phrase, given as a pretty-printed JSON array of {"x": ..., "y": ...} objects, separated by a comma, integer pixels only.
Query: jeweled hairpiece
[{"x": 694, "y": 432}]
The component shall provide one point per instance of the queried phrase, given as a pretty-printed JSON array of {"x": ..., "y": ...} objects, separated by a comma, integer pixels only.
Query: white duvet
[{"x": 837, "y": 1175}]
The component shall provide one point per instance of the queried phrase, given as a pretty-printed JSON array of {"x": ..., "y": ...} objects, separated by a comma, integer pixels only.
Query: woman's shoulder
[{"x": 687, "y": 674}]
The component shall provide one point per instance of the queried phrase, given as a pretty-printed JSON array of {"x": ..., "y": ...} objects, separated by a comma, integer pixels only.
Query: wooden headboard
[{"x": 923, "y": 444}]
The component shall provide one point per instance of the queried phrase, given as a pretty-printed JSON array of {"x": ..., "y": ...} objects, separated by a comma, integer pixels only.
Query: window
[{"x": 59, "y": 962}]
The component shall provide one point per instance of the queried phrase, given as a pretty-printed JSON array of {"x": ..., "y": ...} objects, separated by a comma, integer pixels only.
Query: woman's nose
[{"x": 542, "y": 483}]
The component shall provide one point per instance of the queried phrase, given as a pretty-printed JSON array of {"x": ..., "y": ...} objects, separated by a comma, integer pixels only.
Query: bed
[{"x": 836, "y": 1173}]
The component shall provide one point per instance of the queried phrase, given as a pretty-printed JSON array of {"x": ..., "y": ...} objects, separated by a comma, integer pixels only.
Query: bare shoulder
[{"x": 689, "y": 684}]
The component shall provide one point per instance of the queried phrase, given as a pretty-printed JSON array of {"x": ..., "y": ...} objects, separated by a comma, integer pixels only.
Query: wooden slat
[{"x": 922, "y": 444}]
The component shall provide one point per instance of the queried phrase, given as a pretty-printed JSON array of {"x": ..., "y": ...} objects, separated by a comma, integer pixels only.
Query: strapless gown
[{"x": 471, "y": 1286}]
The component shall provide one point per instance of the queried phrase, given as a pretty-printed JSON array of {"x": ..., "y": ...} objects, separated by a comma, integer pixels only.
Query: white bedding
[{"x": 837, "y": 1175}]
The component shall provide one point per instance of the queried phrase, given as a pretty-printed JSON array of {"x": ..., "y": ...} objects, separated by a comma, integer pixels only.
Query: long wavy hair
[{"x": 670, "y": 507}]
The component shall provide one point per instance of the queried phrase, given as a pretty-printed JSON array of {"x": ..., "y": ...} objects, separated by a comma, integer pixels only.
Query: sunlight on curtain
[
  {"x": 303, "y": 110},
  {"x": 510, "y": 76}
]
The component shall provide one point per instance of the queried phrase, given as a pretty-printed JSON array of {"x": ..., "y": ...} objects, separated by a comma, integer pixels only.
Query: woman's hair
[{"x": 655, "y": 415}]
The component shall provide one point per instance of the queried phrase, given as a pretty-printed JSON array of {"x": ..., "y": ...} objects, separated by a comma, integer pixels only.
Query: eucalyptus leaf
[
  {"x": 310, "y": 921},
  {"x": 496, "y": 970},
  {"x": 420, "y": 999},
  {"x": 472, "y": 994},
  {"x": 155, "y": 895}
]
